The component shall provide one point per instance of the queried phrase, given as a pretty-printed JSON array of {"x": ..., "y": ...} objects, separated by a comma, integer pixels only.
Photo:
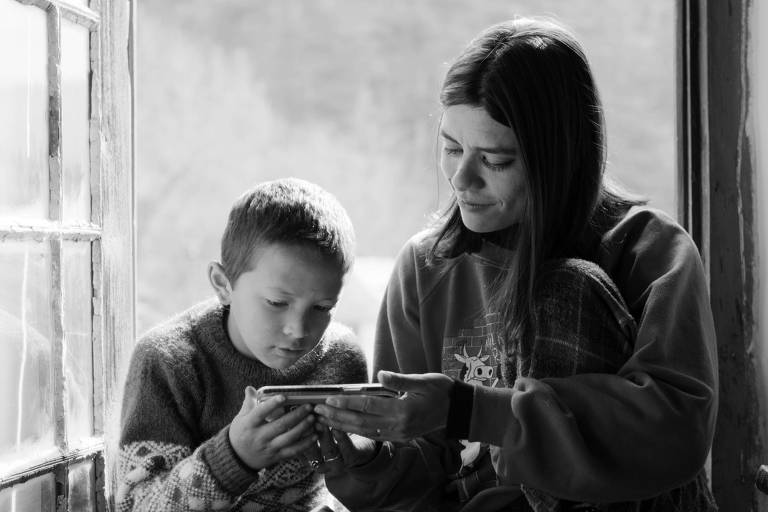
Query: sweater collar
[{"x": 213, "y": 335}]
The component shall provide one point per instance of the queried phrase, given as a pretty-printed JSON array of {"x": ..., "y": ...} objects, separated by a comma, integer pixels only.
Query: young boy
[{"x": 188, "y": 439}]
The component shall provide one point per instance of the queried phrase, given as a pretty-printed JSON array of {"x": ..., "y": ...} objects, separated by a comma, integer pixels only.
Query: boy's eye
[
  {"x": 324, "y": 309},
  {"x": 276, "y": 303},
  {"x": 451, "y": 150}
]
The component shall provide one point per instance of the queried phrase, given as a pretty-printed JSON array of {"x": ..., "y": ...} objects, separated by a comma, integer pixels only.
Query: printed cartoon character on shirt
[{"x": 475, "y": 371}]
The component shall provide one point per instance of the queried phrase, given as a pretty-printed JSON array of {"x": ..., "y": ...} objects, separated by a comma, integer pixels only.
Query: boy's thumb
[{"x": 250, "y": 399}]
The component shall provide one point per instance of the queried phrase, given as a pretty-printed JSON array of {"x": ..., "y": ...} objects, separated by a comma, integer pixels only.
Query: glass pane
[
  {"x": 31, "y": 496},
  {"x": 24, "y": 107},
  {"x": 82, "y": 496},
  {"x": 78, "y": 360},
  {"x": 26, "y": 424},
  {"x": 75, "y": 101}
]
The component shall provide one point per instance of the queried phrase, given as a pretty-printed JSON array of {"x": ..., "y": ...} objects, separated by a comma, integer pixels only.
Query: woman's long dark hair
[{"x": 532, "y": 75}]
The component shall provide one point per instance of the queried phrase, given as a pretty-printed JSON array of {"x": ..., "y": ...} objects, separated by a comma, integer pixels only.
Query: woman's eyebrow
[{"x": 494, "y": 150}]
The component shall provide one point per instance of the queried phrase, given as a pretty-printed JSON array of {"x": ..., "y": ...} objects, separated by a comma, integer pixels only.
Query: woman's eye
[
  {"x": 497, "y": 166},
  {"x": 276, "y": 303},
  {"x": 451, "y": 151},
  {"x": 323, "y": 309}
]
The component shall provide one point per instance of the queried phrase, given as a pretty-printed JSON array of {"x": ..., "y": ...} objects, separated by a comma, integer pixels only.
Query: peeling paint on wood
[{"x": 727, "y": 223}]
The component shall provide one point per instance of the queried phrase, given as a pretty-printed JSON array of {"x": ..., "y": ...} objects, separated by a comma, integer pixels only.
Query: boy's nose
[{"x": 296, "y": 327}]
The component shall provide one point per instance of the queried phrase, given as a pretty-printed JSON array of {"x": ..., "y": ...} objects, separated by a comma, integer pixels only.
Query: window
[
  {"x": 65, "y": 226},
  {"x": 344, "y": 93}
]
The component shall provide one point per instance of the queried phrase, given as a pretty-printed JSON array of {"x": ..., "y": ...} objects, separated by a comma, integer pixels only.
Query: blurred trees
[{"x": 344, "y": 93}]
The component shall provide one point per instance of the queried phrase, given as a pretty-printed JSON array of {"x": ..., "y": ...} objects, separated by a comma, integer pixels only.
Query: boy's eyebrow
[
  {"x": 495, "y": 150},
  {"x": 277, "y": 289}
]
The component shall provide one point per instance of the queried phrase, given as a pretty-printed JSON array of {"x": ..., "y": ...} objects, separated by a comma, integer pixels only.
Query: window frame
[
  {"x": 110, "y": 234},
  {"x": 717, "y": 186}
]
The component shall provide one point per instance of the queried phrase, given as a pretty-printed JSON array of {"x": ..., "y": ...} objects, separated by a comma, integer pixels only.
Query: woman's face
[{"x": 481, "y": 160}]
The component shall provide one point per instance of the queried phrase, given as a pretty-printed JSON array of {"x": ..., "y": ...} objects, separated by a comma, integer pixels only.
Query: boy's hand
[{"x": 262, "y": 435}]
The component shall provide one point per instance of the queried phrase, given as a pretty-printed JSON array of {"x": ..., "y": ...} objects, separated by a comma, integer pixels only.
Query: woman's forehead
[{"x": 473, "y": 126}]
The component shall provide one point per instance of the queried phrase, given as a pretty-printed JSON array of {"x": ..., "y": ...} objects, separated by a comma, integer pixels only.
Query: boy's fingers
[
  {"x": 260, "y": 411},
  {"x": 286, "y": 422},
  {"x": 291, "y": 434},
  {"x": 249, "y": 401}
]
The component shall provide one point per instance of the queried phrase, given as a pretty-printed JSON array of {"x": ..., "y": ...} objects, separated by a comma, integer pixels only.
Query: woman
[{"x": 558, "y": 334}]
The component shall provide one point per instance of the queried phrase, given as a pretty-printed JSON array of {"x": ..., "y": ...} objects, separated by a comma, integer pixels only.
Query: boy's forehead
[{"x": 309, "y": 254}]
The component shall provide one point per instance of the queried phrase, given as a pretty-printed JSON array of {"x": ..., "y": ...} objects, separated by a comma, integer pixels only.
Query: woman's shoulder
[
  {"x": 650, "y": 235},
  {"x": 646, "y": 223}
]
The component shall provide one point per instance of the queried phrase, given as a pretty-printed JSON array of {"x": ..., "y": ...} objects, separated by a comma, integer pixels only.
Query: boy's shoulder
[
  {"x": 340, "y": 338},
  {"x": 177, "y": 338}
]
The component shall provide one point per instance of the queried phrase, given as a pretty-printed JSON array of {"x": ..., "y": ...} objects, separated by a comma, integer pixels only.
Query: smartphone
[{"x": 316, "y": 394}]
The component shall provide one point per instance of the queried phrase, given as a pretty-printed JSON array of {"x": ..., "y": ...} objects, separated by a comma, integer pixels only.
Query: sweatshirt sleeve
[
  {"x": 402, "y": 477},
  {"x": 643, "y": 431},
  {"x": 160, "y": 466}
]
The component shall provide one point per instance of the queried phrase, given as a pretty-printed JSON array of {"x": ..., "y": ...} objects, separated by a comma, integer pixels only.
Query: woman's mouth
[{"x": 473, "y": 205}]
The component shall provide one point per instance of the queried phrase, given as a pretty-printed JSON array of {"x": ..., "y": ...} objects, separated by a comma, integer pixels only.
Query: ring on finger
[{"x": 314, "y": 463}]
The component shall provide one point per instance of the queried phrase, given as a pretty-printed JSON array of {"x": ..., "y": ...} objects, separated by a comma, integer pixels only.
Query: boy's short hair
[{"x": 290, "y": 211}]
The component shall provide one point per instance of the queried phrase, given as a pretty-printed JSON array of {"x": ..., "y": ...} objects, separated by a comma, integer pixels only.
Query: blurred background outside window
[{"x": 344, "y": 93}]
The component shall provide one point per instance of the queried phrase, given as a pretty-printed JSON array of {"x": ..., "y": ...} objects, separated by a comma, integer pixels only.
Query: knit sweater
[
  {"x": 185, "y": 384},
  {"x": 593, "y": 437}
]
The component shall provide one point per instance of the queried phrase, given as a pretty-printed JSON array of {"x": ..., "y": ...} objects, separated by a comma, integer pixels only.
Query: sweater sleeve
[
  {"x": 645, "y": 430},
  {"x": 160, "y": 465}
]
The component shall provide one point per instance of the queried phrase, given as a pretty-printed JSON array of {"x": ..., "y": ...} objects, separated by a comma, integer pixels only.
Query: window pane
[
  {"x": 82, "y": 497},
  {"x": 75, "y": 96},
  {"x": 24, "y": 107},
  {"x": 26, "y": 424},
  {"x": 78, "y": 360},
  {"x": 31, "y": 496}
]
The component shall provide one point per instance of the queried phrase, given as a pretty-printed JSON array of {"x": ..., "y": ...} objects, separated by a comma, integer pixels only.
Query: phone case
[{"x": 316, "y": 394}]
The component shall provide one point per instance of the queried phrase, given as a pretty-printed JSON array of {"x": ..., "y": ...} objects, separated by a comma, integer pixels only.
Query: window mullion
[
  {"x": 55, "y": 214},
  {"x": 54, "y": 114}
]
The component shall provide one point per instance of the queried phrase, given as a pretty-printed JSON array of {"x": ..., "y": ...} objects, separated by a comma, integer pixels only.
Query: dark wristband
[{"x": 460, "y": 410}]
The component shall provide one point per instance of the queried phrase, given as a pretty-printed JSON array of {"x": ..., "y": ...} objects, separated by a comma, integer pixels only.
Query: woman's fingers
[
  {"x": 374, "y": 405},
  {"x": 350, "y": 421}
]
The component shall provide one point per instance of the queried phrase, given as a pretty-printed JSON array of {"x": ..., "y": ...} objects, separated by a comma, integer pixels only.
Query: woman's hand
[
  {"x": 262, "y": 435},
  {"x": 337, "y": 451},
  {"x": 423, "y": 408}
]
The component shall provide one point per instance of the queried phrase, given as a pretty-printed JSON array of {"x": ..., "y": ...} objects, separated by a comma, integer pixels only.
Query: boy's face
[{"x": 280, "y": 308}]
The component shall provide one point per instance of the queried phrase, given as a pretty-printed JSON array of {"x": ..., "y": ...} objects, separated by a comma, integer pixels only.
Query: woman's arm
[{"x": 599, "y": 437}]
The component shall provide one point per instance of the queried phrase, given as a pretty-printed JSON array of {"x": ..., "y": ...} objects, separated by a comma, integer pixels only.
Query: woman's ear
[{"x": 220, "y": 282}]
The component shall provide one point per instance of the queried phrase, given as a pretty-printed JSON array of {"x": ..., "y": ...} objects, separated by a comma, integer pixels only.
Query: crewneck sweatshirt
[
  {"x": 185, "y": 384},
  {"x": 599, "y": 438}
]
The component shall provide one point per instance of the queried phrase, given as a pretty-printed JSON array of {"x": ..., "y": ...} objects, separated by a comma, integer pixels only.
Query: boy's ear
[{"x": 220, "y": 282}]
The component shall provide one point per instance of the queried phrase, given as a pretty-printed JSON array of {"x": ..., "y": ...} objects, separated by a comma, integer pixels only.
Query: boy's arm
[{"x": 160, "y": 468}]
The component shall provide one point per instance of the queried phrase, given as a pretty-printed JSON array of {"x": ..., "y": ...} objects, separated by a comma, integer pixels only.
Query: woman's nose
[{"x": 466, "y": 175}]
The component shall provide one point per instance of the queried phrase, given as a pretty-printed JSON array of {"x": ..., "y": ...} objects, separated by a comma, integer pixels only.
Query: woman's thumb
[{"x": 398, "y": 381}]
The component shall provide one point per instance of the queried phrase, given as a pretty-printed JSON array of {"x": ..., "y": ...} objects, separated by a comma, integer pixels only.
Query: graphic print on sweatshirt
[{"x": 472, "y": 355}]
